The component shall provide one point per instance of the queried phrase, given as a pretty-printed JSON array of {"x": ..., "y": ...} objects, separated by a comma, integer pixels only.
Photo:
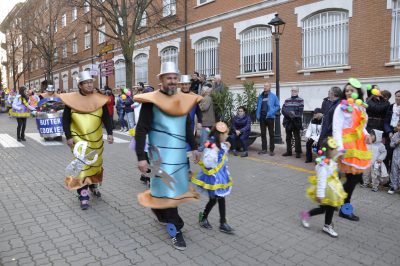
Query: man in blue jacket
[{"x": 267, "y": 106}]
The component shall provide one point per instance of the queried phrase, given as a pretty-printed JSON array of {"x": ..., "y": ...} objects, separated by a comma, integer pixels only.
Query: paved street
[{"x": 41, "y": 222}]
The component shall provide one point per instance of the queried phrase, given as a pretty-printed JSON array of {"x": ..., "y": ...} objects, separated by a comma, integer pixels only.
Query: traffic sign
[
  {"x": 108, "y": 72},
  {"x": 107, "y": 57},
  {"x": 107, "y": 48},
  {"x": 109, "y": 63}
]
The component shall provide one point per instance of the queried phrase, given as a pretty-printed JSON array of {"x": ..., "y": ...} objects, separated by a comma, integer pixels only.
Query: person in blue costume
[
  {"x": 164, "y": 118},
  {"x": 214, "y": 179}
]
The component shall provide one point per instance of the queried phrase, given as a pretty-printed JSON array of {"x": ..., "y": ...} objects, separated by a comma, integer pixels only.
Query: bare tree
[
  {"x": 40, "y": 27},
  {"x": 129, "y": 20}
]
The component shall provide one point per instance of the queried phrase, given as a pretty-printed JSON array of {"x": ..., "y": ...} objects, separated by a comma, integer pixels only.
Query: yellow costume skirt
[{"x": 334, "y": 192}]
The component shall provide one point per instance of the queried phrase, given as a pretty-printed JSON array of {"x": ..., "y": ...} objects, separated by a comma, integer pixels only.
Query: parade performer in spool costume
[
  {"x": 84, "y": 113},
  {"x": 326, "y": 188},
  {"x": 214, "y": 178},
  {"x": 21, "y": 110},
  {"x": 164, "y": 117},
  {"x": 349, "y": 131}
]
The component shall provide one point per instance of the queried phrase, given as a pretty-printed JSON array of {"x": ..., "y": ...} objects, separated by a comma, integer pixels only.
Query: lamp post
[{"x": 279, "y": 26}]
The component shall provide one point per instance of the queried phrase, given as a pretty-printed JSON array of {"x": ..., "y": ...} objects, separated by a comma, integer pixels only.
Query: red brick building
[{"x": 324, "y": 43}]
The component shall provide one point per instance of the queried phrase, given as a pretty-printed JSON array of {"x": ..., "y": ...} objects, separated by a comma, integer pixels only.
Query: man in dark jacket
[
  {"x": 326, "y": 130},
  {"x": 376, "y": 111},
  {"x": 292, "y": 111},
  {"x": 267, "y": 106}
]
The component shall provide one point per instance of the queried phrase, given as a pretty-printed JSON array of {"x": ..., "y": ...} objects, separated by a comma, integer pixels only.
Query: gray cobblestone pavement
[{"x": 41, "y": 222}]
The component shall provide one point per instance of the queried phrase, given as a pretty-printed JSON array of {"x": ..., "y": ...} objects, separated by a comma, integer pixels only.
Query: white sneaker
[
  {"x": 122, "y": 129},
  {"x": 305, "y": 217},
  {"x": 391, "y": 191},
  {"x": 329, "y": 230}
]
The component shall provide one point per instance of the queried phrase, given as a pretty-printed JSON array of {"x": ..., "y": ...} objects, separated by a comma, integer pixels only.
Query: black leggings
[
  {"x": 351, "y": 182},
  {"x": 328, "y": 210},
  {"x": 21, "y": 127},
  {"x": 169, "y": 215},
  {"x": 221, "y": 205}
]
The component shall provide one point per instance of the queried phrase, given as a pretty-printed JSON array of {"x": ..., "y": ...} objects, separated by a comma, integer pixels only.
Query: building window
[
  {"x": 169, "y": 54},
  {"x": 74, "y": 81},
  {"x": 56, "y": 83},
  {"x": 74, "y": 46},
  {"x": 55, "y": 26},
  {"x": 120, "y": 76},
  {"x": 64, "y": 20},
  {"x": 119, "y": 26},
  {"x": 64, "y": 50},
  {"x": 256, "y": 50},
  {"x": 141, "y": 68},
  {"x": 65, "y": 83},
  {"x": 169, "y": 8},
  {"x": 74, "y": 13},
  {"x": 86, "y": 7},
  {"x": 206, "y": 56},
  {"x": 395, "y": 45},
  {"x": 102, "y": 36},
  {"x": 200, "y": 2},
  {"x": 325, "y": 39},
  {"x": 87, "y": 40},
  {"x": 143, "y": 21},
  {"x": 55, "y": 55}
]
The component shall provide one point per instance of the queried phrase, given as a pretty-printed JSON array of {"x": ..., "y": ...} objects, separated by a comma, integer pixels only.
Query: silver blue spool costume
[{"x": 168, "y": 134}]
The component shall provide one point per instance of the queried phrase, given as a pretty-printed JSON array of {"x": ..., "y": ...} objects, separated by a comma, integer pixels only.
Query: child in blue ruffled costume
[{"x": 214, "y": 177}]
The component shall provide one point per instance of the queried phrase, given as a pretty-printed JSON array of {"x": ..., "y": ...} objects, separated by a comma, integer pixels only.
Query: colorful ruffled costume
[
  {"x": 326, "y": 183},
  {"x": 214, "y": 177},
  {"x": 20, "y": 108}
]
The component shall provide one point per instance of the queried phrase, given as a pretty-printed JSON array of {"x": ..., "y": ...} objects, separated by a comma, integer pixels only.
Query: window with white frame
[
  {"x": 55, "y": 25},
  {"x": 87, "y": 40},
  {"x": 256, "y": 50},
  {"x": 102, "y": 36},
  {"x": 325, "y": 39},
  {"x": 169, "y": 54},
  {"x": 395, "y": 45},
  {"x": 56, "y": 83},
  {"x": 74, "y": 13},
  {"x": 74, "y": 46},
  {"x": 143, "y": 21},
  {"x": 169, "y": 8},
  {"x": 74, "y": 81},
  {"x": 200, "y": 2},
  {"x": 141, "y": 68},
  {"x": 64, "y": 20},
  {"x": 64, "y": 50},
  {"x": 86, "y": 7},
  {"x": 65, "y": 82},
  {"x": 120, "y": 76},
  {"x": 206, "y": 56},
  {"x": 55, "y": 55}
]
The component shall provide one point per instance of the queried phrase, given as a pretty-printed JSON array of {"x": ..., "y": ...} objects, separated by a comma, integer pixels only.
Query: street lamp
[{"x": 279, "y": 27}]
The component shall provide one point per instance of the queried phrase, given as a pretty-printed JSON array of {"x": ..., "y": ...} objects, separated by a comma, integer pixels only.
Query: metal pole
[{"x": 278, "y": 136}]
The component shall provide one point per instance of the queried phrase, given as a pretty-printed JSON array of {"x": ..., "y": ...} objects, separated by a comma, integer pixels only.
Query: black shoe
[
  {"x": 178, "y": 241},
  {"x": 205, "y": 224},
  {"x": 350, "y": 217},
  {"x": 225, "y": 228},
  {"x": 244, "y": 154},
  {"x": 262, "y": 152},
  {"x": 19, "y": 139},
  {"x": 235, "y": 153},
  {"x": 23, "y": 139},
  {"x": 287, "y": 154},
  {"x": 298, "y": 155},
  {"x": 84, "y": 204},
  {"x": 96, "y": 192},
  {"x": 271, "y": 153},
  {"x": 308, "y": 161}
]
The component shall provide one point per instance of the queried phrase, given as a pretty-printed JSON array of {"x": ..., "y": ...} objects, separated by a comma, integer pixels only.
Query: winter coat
[
  {"x": 273, "y": 106},
  {"x": 207, "y": 107},
  {"x": 292, "y": 111},
  {"x": 243, "y": 124},
  {"x": 376, "y": 110},
  {"x": 314, "y": 129},
  {"x": 377, "y": 148}
]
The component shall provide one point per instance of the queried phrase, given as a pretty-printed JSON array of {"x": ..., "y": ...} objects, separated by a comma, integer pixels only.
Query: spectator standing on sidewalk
[
  {"x": 267, "y": 107},
  {"x": 195, "y": 85},
  {"x": 292, "y": 111},
  {"x": 208, "y": 116},
  {"x": 110, "y": 104},
  {"x": 376, "y": 111},
  {"x": 119, "y": 105},
  {"x": 390, "y": 124},
  {"x": 218, "y": 85},
  {"x": 326, "y": 129}
]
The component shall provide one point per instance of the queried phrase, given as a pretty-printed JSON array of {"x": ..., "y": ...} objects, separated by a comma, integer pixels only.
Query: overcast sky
[{"x": 6, "y": 6}]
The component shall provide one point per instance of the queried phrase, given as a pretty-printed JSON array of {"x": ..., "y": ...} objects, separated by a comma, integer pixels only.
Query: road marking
[
  {"x": 116, "y": 140},
  {"x": 300, "y": 169},
  {"x": 9, "y": 142},
  {"x": 126, "y": 133},
  {"x": 36, "y": 137}
]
